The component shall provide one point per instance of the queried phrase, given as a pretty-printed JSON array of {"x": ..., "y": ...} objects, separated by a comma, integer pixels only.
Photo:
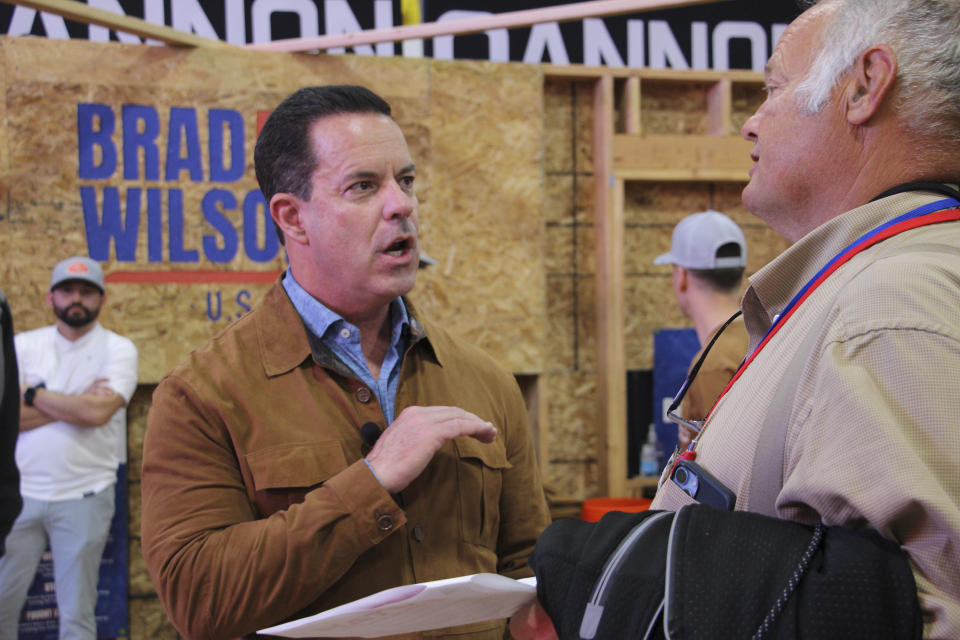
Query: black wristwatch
[{"x": 32, "y": 391}]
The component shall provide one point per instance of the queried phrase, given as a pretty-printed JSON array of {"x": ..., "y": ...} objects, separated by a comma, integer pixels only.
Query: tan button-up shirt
[
  {"x": 873, "y": 430},
  {"x": 258, "y": 507}
]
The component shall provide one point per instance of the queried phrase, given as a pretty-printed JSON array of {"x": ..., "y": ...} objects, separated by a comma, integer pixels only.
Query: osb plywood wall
[{"x": 474, "y": 131}]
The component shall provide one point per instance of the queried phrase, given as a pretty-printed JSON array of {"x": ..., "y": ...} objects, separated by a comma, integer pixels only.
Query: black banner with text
[{"x": 731, "y": 34}]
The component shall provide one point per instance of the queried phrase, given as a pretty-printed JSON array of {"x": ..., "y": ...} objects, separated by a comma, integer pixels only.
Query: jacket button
[
  {"x": 418, "y": 533},
  {"x": 363, "y": 395},
  {"x": 384, "y": 522}
]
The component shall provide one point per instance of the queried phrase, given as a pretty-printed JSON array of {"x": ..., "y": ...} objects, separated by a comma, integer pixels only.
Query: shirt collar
[
  {"x": 773, "y": 286},
  {"x": 320, "y": 319},
  {"x": 284, "y": 341},
  {"x": 79, "y": 342}
]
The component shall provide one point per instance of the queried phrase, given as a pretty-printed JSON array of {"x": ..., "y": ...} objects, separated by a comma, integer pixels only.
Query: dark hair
[
  {"x": 283, "y": 157},
  {"x": 722, "y": 280}
]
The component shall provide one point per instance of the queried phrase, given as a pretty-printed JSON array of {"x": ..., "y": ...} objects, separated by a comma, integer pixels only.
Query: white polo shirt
[{"x": 61, "y": 461}]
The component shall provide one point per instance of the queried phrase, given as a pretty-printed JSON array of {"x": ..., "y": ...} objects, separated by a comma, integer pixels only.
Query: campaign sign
[{"x": 673, "y": 349}]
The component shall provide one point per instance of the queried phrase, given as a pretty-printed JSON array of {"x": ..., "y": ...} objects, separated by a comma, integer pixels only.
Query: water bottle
[{"x": 650, "y": 454}]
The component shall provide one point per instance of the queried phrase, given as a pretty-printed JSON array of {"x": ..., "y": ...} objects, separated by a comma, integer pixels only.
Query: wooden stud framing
[{"x": 719, "y": 156}]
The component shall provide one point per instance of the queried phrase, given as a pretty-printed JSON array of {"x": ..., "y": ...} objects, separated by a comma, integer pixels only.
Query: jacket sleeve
[
  {"x": 220, "y": 568},
  {"x": 10, "y": 501},
  {"x": 523, "y": 507}
]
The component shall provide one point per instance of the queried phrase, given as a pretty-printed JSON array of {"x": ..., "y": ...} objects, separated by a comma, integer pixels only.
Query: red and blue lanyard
[{"x": 945, "y": 210}]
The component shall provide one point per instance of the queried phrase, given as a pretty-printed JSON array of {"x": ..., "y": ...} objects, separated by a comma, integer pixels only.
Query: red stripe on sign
[
  {"x": 262, "y": 119},
  {"x": 192, "y": 277}
]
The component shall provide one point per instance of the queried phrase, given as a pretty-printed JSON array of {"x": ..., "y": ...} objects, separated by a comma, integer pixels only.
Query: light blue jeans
[{"x": 77, "y": 532}]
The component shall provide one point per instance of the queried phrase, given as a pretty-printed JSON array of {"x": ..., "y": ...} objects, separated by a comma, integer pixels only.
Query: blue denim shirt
[{"x": 344, "y": 340}]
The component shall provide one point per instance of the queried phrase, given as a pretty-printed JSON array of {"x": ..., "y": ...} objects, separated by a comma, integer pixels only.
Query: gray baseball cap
[
  {"x": 696, "y": 239},
  {"x": 78, "y": 268}
]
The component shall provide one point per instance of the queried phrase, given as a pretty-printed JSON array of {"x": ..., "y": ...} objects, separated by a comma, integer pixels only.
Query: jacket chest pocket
[
  {"x": 480, "y": 469},
  {"x": 282, "y": 475}
]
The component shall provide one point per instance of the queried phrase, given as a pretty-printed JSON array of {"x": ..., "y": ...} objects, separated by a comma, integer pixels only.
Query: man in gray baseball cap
[
  {"x": 76, "y": 379},
  {"x": 698, "y": 239},
  {"x": 77, "y": 293},
  {"x": 709, "y": 254}
]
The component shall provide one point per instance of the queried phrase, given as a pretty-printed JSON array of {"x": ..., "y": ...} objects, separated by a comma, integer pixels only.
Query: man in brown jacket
[{"x": 334, "y": 442}]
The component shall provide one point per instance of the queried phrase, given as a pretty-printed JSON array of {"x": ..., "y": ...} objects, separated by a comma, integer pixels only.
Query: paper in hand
[{"x": 417, "y": 607}]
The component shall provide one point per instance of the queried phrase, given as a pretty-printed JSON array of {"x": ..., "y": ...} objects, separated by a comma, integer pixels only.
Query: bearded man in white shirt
[{"x": 76, "y": 379}]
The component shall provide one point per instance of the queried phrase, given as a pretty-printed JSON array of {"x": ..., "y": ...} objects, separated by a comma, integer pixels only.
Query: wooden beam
[
  {"x": 694, "y": 158},
  {"x": 686, "y": 76},
  {"x": 507, "y": 20},
  {"x": 615, "y": 345},
  {"x": 611, "y": 356},
  {"x": 719, "y": 108},
  {"x": 678, "y": 76},
  {"x": 79, "y": 12},
  {"x": 631, "y": 106}
]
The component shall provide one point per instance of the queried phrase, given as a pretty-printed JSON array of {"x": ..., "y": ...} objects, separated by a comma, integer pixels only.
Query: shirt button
[
  {"x": 385, "y": 522},
  {"x": 344, "y": 333},
  {"x": 363, "y": 395},
  {"x": 418, "y": 533}
]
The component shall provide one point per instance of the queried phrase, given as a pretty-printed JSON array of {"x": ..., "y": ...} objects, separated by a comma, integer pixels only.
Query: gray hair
[{"x": 925, "y": 37}]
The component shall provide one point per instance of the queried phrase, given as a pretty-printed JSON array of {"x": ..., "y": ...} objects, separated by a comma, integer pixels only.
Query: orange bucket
[{"x": 594, "y": 508}]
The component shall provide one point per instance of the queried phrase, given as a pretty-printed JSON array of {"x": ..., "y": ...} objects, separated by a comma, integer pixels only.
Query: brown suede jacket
[{"x": 258, "y": 507}]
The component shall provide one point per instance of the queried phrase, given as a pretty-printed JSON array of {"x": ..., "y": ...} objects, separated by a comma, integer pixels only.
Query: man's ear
[
  {"x": 285, "y": 211},
  {"x": 871, "y": 81},
  {"x": 680, "y": 280}
]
